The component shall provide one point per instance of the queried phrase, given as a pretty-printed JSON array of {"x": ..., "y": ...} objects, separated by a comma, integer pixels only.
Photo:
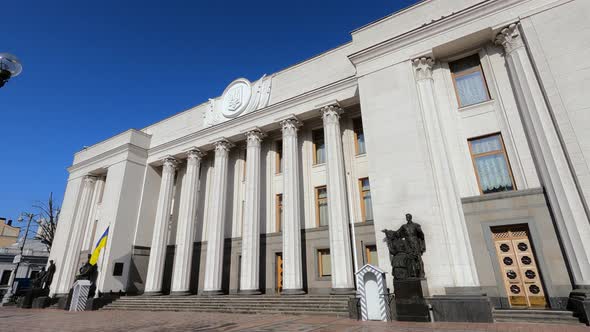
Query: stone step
[
  {"x": 227, "y": 301},
  {"x": 536, "y": 316},
  {"x": 236, "y": 311},
  {"x": 258, "y": 307}
]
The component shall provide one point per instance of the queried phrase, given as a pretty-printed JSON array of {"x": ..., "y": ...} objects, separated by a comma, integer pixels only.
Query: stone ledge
[{"x": 501, "y": 195}]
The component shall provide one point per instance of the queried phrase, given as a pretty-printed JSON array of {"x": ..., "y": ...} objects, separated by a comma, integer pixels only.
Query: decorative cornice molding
[
  {"x": 289, "y": 126},
  {"x": 127, "y": 147},
  {"x": 465, "y": 16},
  {"x": 510, "y": 38},
  {"x": 423, "y": 68},
  {"x": 170, "y": 164},
  {"x": 331, "y": 113}
]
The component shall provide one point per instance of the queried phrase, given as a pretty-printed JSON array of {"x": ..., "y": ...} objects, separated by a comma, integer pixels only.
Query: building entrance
[
  {"x": 279, "y": 272},
  {"x": 518, "y": 264}
]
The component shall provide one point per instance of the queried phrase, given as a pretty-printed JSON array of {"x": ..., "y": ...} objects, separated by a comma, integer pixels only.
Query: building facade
[
  {"x": 8, "y": 233},
  {"x": 468, "y": 114}
]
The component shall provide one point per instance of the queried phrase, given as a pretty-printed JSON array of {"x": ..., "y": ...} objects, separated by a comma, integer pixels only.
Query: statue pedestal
[
  {"x": 410, "y": 304},
  {"x": 80, "y": 295}
]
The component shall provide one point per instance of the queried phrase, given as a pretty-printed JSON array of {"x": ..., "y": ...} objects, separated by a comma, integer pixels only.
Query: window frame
[
  {"x": 355, "y": 128},
  {"x": 319, "y": 258},
  {"x": 317, "y": 203},
  {"x": 368, "y": 253},
  {"x": 278, "y": 156},
  {"x": 479, "y": 69},
  {"x": 495, "y": 152},
  {"x": 361, "y": 197},
  {"x": 278, "y": 208},
  {"x": 315, "y": 153}
]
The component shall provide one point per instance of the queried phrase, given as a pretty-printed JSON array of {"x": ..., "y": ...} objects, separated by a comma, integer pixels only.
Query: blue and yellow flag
[{"x": 102, "y": 242}]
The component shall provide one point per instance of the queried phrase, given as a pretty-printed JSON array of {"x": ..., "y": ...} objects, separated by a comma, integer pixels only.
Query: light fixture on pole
[{"x": 10, "y": 66}]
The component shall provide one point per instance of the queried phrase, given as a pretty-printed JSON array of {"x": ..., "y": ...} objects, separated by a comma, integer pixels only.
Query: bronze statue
[
  {"x": 406, "y": 246},
  {"x": 48, "y": 277},
  {"x": 87, "y": 271}
]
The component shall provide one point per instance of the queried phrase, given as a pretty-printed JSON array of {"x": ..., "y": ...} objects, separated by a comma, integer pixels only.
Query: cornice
[
  {"x": 107, "y": 154},
  {"x": 247, "y": 119},
  {"x": 435, "y": 27}
]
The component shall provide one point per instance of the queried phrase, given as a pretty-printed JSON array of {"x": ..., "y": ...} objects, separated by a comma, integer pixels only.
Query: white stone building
[{"x": 472, "y": 115}]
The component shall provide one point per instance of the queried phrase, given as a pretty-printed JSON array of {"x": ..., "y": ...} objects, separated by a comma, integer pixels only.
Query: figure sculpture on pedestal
[
  {"x": 406, "y": 246},
  {"x": 88, "y": 272}
]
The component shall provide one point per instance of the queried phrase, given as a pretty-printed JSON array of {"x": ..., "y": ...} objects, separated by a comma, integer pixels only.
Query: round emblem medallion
[
  {"x": 522, "y": 246},
  {"x": 530, "y": 274},
  {"x": 526, "y": 260},
  {"x": 511, "y": 274},
  {"x": 504, "y": 247},
  {"x": 534, "y": 289},
  {"x": 515, "y": 289},
  {"x": 236, "y": 98},
  {"x": 507, "y": 260}
]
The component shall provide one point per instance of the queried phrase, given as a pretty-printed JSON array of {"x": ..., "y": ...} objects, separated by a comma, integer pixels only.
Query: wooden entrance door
[
  {"x": 518, "y": 265},
  {"x": 279, "y": 271}
]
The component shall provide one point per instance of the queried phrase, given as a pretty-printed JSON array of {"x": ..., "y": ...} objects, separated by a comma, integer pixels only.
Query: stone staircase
[
  {"x": 332, "y": 305},
  {"x": 541, "y": 316}
]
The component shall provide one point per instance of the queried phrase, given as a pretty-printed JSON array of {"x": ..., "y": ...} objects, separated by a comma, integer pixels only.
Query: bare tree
[{"x": 47, "y": 221}]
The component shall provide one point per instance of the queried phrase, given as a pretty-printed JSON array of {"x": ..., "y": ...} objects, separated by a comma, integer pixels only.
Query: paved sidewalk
[{"x": 33, "y": 320}]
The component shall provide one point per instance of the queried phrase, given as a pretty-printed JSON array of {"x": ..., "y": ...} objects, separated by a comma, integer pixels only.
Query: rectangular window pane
[
  {"x": 493, "y": 173},
  {"x": 279, "y": 150},
  {"x": 471, "y": 89},
  {"x": 372, "y": 255},
  {"x": 279, "y": 212},
  {"x": 470, "y": 84},
  {"x": 322, "y": 206},
  {"x": 492, "y": 167},
  {"x": 360, "y": 136},
  {"x": 486, "y": 144},
  {"x": 320, "y": 147},
  {"x": 325, "y": 263}
]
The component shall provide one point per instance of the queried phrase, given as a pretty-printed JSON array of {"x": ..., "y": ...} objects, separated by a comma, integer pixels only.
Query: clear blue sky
[{"x": 95, "y": 68}]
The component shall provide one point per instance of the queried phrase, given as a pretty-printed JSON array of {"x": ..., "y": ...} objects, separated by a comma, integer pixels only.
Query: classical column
[
  {"x": 555, "y": 172},
  {"x": 186, "y": 224},
  {"x": 451, "y": 209},
  {"x": 78, "y": 226},
  {"x": 153, "y": 284},
  {"x": 292, "y": 265},
  {"x": 251, "y": 230},
  {"x": 339, "y": 224},
  {"x": 215, "y": 231}
]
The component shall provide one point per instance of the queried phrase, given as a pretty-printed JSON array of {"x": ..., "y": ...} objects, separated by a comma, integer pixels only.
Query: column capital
[
  {"x": 289, "y": 126},
  {"x": 223, "y": 145},
  {"x": 195, "y": 154},
  {"x": 331, "y": 113},
  {"x": 254, "y": 137},
  {"x": 170, "y": 163},
  {"x": 423, "y": 68},
  {"x": 90, "y": 179},
  {"x": 510, "y": 38}
]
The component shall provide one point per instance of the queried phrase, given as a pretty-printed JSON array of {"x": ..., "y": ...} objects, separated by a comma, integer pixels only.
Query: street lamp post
[
  {"x": 10, "y": 293},
  {"x": 10, "y": 66}
]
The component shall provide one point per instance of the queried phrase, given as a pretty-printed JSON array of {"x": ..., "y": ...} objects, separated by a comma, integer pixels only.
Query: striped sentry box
[{"x": 372, "y": 291}]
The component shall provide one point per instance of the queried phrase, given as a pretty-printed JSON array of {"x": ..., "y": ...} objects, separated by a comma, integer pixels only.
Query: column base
[
  {"x": 298, "y": 291},
  {"x": 249, "y": 292},
  {"x": 579, "y": 303},
  {"x": 212, "y": 293},
  {"x": 156, "y": 293},
  {"x": 343, "y": 291},
  {"x": 180, "y": 293}
]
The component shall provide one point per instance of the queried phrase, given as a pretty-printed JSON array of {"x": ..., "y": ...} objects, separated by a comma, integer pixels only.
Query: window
[
  {"x": 279, "y": 156},
  {"x": 321, "y": 202},
  {"x": 371, "y": 254},
  {"x": 319, "y": 147},
  {"x": 118, "y": 270},
  {"x": 366, "y": 201},
  {"x": 5, "y": 277},
  {"x": 470, "y": 83},
  {"x": 491, "y": 164},
  {"x": 324, "y": 263},
  {"x": 359, "y": 136},
  {"x": 279, "y": 210}
]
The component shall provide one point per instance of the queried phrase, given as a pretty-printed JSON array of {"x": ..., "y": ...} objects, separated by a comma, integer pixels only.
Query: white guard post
[
  {"x": 80, "y": 295},
  {"x": 372, "y": 288}
]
